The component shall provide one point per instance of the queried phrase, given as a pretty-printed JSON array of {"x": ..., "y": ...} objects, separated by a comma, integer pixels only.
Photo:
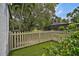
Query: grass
[{"x": 35, "y": 50}]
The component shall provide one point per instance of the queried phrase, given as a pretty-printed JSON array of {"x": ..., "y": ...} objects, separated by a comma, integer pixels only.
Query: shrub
[
  {"x": 68, "y": 47},
  {"x": 61, "y": 28},
  {"x": 72, "y": 26}
]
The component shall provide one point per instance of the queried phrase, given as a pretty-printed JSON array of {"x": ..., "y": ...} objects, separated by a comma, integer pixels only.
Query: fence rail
[{"x": 23, "y": 39}]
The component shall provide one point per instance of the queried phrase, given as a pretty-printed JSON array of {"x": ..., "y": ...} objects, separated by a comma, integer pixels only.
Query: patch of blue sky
[{"x": 63, "y": 9}]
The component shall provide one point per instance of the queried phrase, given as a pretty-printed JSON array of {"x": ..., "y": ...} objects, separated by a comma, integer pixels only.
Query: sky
[{"x": 63, "y": 9}]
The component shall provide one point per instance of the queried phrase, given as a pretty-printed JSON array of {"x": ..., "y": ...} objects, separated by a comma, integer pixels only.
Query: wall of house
[{"x": 4, "y": 29}]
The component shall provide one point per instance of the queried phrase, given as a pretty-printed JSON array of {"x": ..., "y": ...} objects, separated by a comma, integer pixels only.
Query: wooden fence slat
[
  {"x": 15, "y": 39},
  {"x": 20, "y": 39},
  {"x": 12, "y": 40},
  {"x": 24, "y": 39},
  {"x": 39, "y": 37},
  {"x": 10, "y": 44},
  {"x": 24, "y": 42}
]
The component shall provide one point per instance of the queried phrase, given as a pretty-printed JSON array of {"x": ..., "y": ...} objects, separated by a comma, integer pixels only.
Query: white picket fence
[{"x": 23, "y": 39}]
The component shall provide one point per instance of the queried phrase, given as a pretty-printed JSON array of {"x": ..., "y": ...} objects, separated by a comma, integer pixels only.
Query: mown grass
[{"x": 35, "y": 50}]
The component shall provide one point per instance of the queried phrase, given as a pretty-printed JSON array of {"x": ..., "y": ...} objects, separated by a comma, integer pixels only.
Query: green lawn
[{"x": 35, "y": 50}]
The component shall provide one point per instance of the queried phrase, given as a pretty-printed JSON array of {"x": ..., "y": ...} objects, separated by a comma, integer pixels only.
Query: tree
[
  {"x": 74, "y": 15},
  {"x": 32, "y": 15}
]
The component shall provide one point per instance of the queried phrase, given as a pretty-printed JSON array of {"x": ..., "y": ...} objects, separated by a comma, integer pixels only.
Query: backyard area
[{"x": 34, "y": 29}]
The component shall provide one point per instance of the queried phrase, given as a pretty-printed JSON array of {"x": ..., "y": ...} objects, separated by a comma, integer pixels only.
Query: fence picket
[
  {"x": 12, "y": 40},
  {"x": 20, "y": 39},
  {"x": 15, "y": 39},
  {"x": 10, "y": 44}
]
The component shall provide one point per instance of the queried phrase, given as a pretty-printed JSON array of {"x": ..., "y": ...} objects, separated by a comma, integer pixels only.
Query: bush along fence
[{"x": 23, "y": 39}]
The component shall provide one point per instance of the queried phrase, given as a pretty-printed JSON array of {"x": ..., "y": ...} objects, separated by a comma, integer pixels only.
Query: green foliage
[
  {"x": 74, "y": 15},
  {"x": 14, "y": 24},
  {"x": 61, "y": 28},
  {"x": 68, "y": 47},
  {"x": 29, "y": 15},
  {"x": 76, "y": 18},
  {"x": 71, "y": 26}
]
